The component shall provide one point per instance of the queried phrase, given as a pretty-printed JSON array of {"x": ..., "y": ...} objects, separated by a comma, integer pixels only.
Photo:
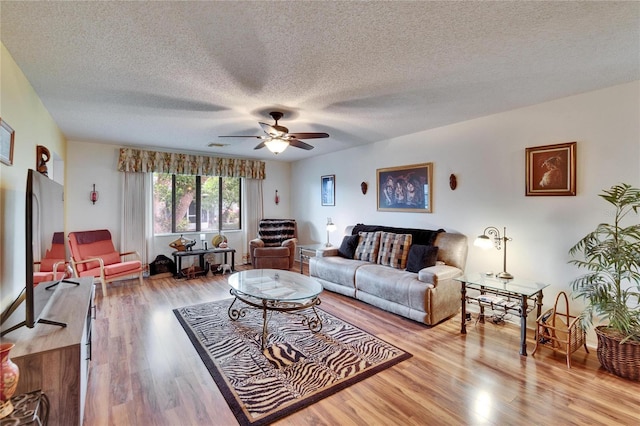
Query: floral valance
[{"x": 138, "y": 160}]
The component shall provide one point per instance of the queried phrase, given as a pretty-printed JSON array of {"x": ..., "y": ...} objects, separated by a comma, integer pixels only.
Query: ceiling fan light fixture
[{"x": 276, "y": 145}]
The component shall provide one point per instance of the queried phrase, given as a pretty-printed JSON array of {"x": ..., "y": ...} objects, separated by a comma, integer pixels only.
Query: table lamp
[
  {"x": 330, "y": 228},
  {"x": 491, "y": 237}
]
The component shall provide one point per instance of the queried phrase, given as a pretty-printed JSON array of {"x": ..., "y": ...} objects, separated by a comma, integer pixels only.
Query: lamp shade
[
  {"x": 483, "y": 242},
  {"x": 276, "y": 145}
]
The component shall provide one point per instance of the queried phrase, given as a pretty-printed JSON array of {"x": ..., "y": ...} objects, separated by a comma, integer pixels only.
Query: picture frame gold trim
[
  {"x": 7, "y": 140},
  {"x": 412, "y": 188},
  {"x": 551, "y": 170},
  {"x": 328, "y": 190}
]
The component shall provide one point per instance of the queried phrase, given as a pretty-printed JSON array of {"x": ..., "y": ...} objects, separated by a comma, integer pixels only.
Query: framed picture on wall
[
  {"x": 551, "y": 169},
  {"x": 328, "y": 190},
  {"x": 7, "y": 135},
  {"x": 406, "y": 188}
]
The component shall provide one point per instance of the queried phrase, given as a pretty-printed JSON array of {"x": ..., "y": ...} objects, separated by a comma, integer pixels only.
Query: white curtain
[
  {"x": 253, "y": 211},
  {"x": 137, "y": 221}
]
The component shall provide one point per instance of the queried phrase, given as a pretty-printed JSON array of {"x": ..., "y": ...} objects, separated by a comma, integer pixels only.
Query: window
[{"x": 187, "y": 203}]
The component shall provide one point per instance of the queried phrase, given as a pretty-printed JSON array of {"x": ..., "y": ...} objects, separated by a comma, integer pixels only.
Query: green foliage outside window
[{"x": 198, "y": 204}]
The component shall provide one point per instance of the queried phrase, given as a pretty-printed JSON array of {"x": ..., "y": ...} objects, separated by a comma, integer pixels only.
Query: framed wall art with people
[{"x": 406, "y": 188}]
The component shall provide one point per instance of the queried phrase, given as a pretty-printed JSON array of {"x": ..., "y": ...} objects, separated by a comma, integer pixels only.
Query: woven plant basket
[{"x": 621, "y": 360}]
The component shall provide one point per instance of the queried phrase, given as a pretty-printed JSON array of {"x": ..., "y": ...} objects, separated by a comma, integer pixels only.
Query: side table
[
  {"x": 178, "y": 255},
  {"x": 307, "y": 251},
  {"x": 512, "y": 295},
  {"x": 31, "y": 408}
]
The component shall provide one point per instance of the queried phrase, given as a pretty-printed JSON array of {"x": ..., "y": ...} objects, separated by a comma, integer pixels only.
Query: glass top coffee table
[{"x": 275, "y": 290}]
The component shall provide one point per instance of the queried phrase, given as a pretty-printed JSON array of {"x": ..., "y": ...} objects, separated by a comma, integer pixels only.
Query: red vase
[{"x": 8, "y": 380}]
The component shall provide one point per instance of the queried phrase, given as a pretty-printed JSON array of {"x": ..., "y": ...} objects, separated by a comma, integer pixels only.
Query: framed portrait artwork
[
  {"x": 406, "y": 188},
  {"x": 551, "y": 169},
  {"x": 7, "y": 136},
  {"x": 328, "y": 190}
]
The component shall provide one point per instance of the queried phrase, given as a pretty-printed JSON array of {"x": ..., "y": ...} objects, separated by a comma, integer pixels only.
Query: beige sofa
[{"x": 428, "y": 296}]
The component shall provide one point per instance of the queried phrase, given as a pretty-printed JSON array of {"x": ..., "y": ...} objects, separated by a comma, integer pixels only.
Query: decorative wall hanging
[
  {"x": 363, "y": 187},
  {"x": 328, "y": 190},
  {"x": 42, "y": 158},
  {"x": 406, "y": 188},
  {"x": 551, "y": 169},
  {"x": 453, "y": 182},
  {"x": 7, "y": 136}
]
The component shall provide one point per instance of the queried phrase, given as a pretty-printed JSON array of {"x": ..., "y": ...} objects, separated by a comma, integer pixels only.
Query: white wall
[
  {"x": 21, "y": 108},
  {"x": 487, "y": 156}
]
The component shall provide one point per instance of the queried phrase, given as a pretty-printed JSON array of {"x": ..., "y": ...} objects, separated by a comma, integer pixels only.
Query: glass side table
[
  {"x": 512, "y": 295},
  {"x": 307, "y": 251}
]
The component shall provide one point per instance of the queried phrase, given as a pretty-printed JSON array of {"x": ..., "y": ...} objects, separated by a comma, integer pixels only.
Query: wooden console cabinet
[{"x": 56, "y": 359}]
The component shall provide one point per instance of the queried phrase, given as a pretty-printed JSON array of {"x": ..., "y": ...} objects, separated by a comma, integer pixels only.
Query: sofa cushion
[
  {"x": 394, "y": 249},
  {"x": 368, "y": 246},
  {"x": 335, "y": 269},
  {"x": 392, "y": 285},
  {"x": 421, "y": 257},
  {"x": 348, "y": 247},
  {"x": 420, "y": 236}
]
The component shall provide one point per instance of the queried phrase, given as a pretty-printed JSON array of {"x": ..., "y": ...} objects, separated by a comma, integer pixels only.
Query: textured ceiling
[{"x": 176, "y": 75}]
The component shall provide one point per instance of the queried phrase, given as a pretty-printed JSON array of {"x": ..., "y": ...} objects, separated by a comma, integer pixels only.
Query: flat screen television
[{"x": 45, "y": 253}]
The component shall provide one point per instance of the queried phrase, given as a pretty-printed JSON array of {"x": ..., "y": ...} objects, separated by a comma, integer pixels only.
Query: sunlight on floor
[{"x": 483, "y": 407}]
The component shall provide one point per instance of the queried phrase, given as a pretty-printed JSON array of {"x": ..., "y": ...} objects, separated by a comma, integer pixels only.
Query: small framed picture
[
  {"x": 328, "y": 190},
  {"x": 406, "y": 188},
  {"x": 551, "y": 169},
  {"x": 7, "y": 136}
]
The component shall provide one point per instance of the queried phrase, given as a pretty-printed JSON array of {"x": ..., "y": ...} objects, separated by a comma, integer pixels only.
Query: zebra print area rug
[{"x": 297, "y": 367}]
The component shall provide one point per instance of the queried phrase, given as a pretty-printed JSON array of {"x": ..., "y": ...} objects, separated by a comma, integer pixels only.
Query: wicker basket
[
  {"x": 560, "y": 331},
  {"x": 620, "y": 359}
]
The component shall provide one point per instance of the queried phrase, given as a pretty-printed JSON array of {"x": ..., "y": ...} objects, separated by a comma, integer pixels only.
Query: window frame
[{"x": 198, "y": 201}]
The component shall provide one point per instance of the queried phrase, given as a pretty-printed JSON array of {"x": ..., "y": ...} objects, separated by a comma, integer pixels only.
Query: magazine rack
[{"x": 560, "y": 332}]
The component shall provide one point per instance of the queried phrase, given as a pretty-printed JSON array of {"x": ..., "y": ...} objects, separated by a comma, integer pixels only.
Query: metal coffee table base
[{"x": 313, "y": 322}]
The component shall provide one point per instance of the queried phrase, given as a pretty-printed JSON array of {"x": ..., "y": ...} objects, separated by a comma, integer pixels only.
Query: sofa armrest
[
  {"x": 256, "y": 242},
  {"x": 290, "y": 243},
  {"x": 437, "y": 273},
  {"x": 327, "y": 251}
]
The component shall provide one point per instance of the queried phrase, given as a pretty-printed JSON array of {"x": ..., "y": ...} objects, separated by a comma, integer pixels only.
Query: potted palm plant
[{"x": 611, "y": 286}]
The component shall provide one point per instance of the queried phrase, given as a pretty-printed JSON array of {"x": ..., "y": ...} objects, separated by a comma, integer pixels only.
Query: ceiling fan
[{"x": 278, "y": 138}]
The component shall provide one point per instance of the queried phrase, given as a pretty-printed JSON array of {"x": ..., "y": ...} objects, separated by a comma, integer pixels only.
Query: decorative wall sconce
[
  {"x": 330, "y": 228},
  {"x": 363, "y": 187},
  {"x": 491, "y": 237},
  {"x": 277, "y": 198},
  {"x": 93, "y": 195}
]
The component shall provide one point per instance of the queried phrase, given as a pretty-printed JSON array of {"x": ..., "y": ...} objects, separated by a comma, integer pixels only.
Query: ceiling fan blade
[
  {"x": 309, "y": 135},
  {"x": 272, "y": 131},
  {"x": 241, "y": 136},
  {"x": 260, "y": 145},
  {"x": 300, "y": 144}
]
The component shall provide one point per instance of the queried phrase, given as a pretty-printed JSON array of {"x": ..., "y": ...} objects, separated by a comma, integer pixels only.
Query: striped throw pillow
[
  {"x": 394, "y": 249},
  {"x": 368, "y": 246}
]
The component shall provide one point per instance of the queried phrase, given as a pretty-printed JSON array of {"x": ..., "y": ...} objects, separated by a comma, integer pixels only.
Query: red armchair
[{"x": 94, "y": 255}]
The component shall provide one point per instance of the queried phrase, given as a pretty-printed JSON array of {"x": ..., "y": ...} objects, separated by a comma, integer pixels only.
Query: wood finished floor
[{"x": 145, "y": 371}]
